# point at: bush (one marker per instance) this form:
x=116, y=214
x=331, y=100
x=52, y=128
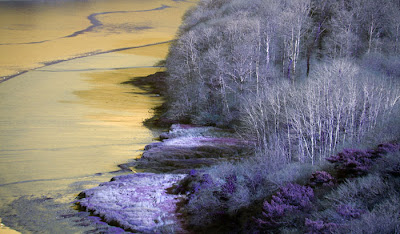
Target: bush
x=383, y=217
x=363, y=192
x=224, y=191
x=290, y=198
x=319, y=226
x=352, y=162
x=322, y=178
x=348, y=212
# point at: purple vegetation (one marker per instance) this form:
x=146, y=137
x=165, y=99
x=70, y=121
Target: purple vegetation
x=207, y=180
x=115, y=230
x=322, y=178
x=222, y=140
x=292, y=197
x=152, y=145
x=358, y=162
x=353, y=161
x=193, y=173
x=137, y=202
x=349, y=212
x=319, y=226
x=197, y=181
x=387, y=148
x=229, y=187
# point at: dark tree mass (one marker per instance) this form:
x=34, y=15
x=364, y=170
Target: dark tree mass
x=303, y=80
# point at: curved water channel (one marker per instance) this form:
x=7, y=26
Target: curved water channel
x=66, y=121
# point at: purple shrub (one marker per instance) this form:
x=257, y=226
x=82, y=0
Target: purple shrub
x=206, y=181
x=319, y=226
x=387, y=148
x=292, y=197
x=229, y=187
x=349, y=212
x=296, y=195
x=193, y=173
x=322, y=178
x=352, y=161
x=358, y=162
x=274, y=211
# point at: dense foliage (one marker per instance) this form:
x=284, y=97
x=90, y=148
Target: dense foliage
x=300, y=77
x=303, y=79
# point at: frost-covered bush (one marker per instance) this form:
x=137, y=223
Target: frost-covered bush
x=220, y=191
x=382, y=217
x=363, y=191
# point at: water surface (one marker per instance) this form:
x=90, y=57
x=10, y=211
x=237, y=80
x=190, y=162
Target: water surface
x=65, y=127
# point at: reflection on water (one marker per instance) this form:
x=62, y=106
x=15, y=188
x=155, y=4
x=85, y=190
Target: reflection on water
x=65, y=127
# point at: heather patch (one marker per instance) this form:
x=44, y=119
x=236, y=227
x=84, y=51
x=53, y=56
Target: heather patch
x=290, y=198
x=352, y=161
x=356, y=162
x=319, y=226
x=322, y=178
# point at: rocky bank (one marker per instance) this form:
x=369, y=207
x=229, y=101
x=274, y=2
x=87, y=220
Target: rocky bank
x=140, y=202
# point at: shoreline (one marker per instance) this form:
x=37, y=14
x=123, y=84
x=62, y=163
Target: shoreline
x=146, y=201
x=163, y=165
x=116, y=78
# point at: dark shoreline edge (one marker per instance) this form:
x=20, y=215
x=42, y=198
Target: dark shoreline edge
x=154, y=84
x=49, y=63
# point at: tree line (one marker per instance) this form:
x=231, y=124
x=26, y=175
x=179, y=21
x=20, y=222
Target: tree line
x=302, y=78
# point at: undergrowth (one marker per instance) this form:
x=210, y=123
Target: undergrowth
x=357, y=192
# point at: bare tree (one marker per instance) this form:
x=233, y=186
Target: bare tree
x=293, y=24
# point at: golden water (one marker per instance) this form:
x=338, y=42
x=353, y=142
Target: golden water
x=65, y=127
